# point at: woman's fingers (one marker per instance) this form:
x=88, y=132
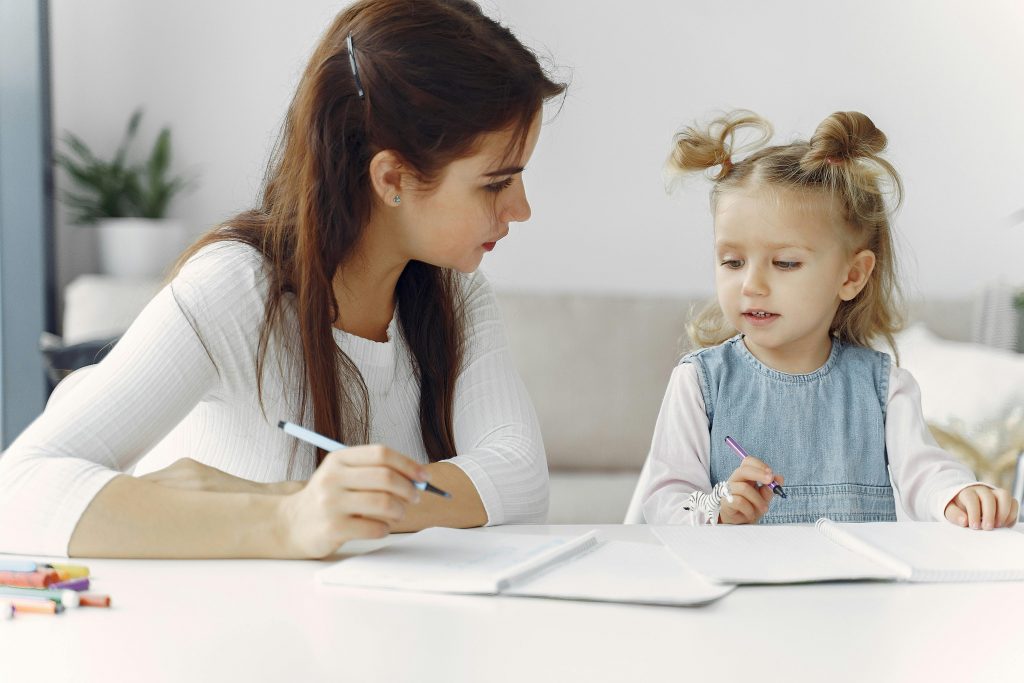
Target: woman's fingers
x=379, y=479
x=369, y=456
x=372, y=505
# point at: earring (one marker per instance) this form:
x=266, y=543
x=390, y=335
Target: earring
x=397, y=200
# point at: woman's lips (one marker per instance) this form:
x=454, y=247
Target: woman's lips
x=489, y=245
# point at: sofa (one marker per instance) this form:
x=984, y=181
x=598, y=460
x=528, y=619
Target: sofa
x=596, y=366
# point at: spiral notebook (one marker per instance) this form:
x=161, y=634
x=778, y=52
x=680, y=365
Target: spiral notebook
x=832, y=551
x=581, y=567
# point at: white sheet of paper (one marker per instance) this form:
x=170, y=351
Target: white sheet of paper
x=623, y=571
x=766, y=554
x=441, y=560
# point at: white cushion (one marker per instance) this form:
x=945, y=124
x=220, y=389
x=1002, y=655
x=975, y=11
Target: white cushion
x=974, y=390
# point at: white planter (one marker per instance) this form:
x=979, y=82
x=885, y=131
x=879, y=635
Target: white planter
x=139, y=247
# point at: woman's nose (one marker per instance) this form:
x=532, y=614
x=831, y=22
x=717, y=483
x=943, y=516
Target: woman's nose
x=517, y=208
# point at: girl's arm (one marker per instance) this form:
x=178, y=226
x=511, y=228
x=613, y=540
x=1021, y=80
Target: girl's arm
x=926, y=477
x=500, y=475
x=678, y=463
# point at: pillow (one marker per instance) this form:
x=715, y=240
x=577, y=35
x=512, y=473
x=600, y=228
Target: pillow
x=969, y=391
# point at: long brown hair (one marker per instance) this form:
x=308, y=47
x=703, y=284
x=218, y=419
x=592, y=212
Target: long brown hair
x=435, y=76
x=842, y=160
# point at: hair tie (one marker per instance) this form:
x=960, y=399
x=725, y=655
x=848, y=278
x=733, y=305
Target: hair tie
x=835, y=161
x=352, y=63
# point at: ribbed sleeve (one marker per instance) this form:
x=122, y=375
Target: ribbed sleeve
x=181, y=382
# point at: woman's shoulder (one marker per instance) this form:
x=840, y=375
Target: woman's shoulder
x=225, y=278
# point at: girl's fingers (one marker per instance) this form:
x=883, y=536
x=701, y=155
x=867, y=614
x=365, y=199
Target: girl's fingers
x=968, y=500
x=740, y=510
x=752, y=496
x=955, y=513
x=1007, y=509
x=988, y=506
x=752, y=469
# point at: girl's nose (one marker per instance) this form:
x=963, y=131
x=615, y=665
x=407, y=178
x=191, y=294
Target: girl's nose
x=754, y=283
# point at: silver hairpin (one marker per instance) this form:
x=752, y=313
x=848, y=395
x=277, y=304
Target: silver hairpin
x=352, y=63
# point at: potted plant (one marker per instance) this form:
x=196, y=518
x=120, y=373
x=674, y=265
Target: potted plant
x=126, y=202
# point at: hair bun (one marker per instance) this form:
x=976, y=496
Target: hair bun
x=845, y=135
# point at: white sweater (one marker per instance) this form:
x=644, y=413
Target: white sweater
x=181, y=382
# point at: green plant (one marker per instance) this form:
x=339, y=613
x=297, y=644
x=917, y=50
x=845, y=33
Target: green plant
x=1018, y=301
x=116, y=188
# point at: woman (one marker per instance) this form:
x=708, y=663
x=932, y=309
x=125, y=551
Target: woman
x=339, y=303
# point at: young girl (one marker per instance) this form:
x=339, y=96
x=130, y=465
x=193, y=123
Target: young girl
x=338, y=303
x=806, y=280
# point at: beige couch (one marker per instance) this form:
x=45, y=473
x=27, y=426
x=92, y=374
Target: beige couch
x=596, y=367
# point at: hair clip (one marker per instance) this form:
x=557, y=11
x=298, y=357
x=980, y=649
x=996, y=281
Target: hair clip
x=352, y=63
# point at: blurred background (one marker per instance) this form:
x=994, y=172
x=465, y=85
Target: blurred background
x=940, y=78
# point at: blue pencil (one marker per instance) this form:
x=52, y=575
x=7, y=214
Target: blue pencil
x=321, y=441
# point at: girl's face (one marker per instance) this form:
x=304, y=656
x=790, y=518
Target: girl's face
x=454, y=224
x=782, y=269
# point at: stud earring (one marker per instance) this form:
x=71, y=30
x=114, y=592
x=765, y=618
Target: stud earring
x=397, y=200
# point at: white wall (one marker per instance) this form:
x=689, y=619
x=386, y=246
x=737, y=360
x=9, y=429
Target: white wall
x=940, y=78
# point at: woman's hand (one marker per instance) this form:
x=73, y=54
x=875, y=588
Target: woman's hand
x=357, y=492
x=190, y=474
x=751, y=494
x=981, y=507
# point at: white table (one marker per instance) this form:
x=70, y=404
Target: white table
x=249, y=620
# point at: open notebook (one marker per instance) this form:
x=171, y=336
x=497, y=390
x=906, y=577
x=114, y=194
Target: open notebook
x=830, y=551
x=582, y=567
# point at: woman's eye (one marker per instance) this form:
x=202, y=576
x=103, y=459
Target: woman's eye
x=499, y=186
x=787, y=265
x=733, y=263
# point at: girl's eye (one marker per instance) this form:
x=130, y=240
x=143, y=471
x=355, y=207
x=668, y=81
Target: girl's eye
x=499, y=186
x=787, y=265
x=733, y=263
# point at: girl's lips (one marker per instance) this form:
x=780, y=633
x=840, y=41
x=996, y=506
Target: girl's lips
x=760, y=320
x=489, y=245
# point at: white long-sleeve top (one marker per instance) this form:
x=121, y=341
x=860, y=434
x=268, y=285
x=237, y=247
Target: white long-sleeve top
x=925, y=477
x=181, y=382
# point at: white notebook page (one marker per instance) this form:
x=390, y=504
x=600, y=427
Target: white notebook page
x=940, y=551
x=443, y=560
x=622, y=571
x=766, y=554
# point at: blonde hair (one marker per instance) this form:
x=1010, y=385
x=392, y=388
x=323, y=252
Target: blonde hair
x=841, y=162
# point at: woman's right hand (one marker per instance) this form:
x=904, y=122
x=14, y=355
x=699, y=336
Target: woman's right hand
x=751, y=494
x=357, y=492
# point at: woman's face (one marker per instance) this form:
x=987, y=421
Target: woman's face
x=470, y=209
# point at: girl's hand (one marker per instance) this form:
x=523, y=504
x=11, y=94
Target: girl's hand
x=357, y=492
x=983, y=508
x=190, y=474
x=750, y=492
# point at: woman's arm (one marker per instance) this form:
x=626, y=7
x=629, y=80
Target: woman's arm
x=500, y=474
x=678, y=463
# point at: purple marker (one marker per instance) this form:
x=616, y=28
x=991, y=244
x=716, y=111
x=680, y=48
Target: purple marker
x=776, y=489
x=71, y=585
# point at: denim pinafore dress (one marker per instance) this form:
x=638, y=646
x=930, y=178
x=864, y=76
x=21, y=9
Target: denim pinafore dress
x=823, y=431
